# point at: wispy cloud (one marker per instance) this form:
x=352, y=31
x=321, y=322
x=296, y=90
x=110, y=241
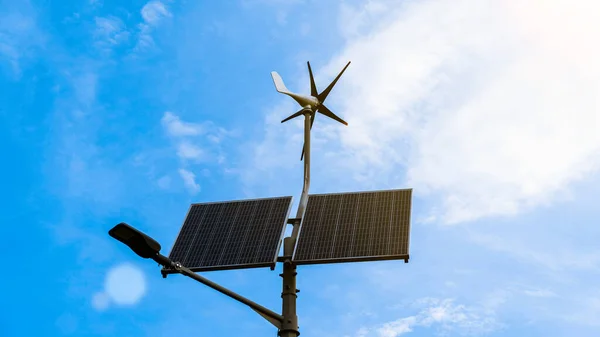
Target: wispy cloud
x=195, y=143
x=442, y=314
x=482, y=118
x=153, y=13
x=189, y=151
x=110, y=31
x=189, y=180
x=186, y=137
x=20, y=36
x=175, y=127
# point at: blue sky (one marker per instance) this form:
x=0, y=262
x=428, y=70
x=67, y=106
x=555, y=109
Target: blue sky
x=489, y=110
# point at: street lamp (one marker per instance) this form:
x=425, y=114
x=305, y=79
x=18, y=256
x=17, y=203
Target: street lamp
x=148, y=248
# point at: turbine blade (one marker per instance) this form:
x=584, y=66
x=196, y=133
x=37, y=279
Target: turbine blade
x=299, y=113
x=279, y=85
x=313, y=86
x=325, y=111
x=322, y=96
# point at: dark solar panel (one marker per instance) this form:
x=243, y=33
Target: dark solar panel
x=348, y=227
x=231, y=235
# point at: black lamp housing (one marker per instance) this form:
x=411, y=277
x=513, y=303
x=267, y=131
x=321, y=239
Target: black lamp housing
x=140, y=243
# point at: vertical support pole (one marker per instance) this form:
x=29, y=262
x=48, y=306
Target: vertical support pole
x=289, y=326
x=306, y=186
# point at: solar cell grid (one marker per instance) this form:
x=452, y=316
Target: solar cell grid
x=326, y=233
x=230, y=235
x=346, y=225
x=360, y=226
x=240, y=228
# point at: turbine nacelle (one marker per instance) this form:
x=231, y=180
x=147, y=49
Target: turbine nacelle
x=314, y=102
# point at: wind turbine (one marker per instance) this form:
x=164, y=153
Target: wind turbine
x=311, y=104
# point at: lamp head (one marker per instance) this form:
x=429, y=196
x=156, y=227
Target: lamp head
x=140, y=243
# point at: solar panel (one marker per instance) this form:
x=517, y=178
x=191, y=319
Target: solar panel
x=231, y=235
x=351, y=227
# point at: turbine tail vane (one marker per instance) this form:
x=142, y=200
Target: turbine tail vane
x=279, y=85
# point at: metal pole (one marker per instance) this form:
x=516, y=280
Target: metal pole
x=306, y=186
x=289, y=326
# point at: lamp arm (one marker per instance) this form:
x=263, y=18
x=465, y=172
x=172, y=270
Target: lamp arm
x=271, y=316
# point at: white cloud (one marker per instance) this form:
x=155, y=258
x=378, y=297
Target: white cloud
x=125, y=285
x=110, y=31
x=356, y=21
x=189, y=180
x=444, y=314
x=397, y=328
x=491, y=107
x=175, y=127
x=497, y=115
x=154, y=11
x=195, y=143
x=187, y=150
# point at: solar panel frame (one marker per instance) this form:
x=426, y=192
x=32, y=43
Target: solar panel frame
x=195, y=232
x=404, y=209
